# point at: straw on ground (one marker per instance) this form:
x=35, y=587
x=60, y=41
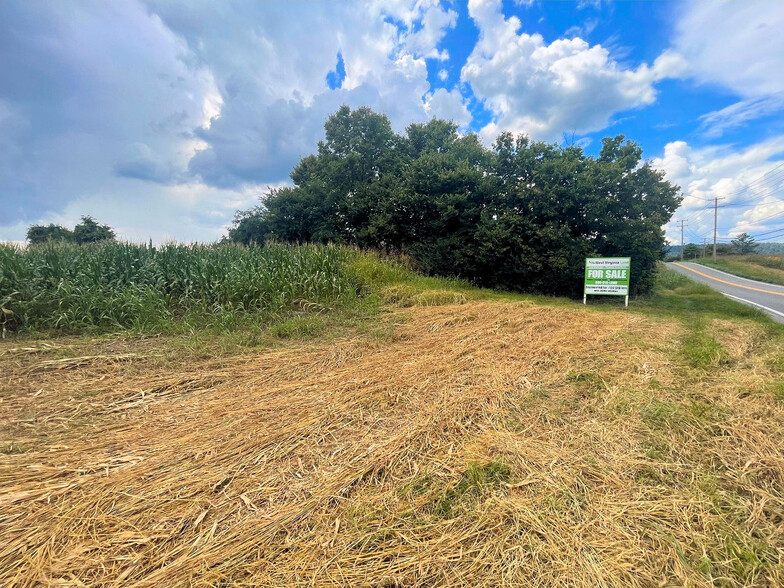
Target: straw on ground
x=489, y=443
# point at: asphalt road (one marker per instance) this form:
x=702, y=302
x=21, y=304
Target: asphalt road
x=769, y=298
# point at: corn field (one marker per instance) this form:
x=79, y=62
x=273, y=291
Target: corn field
x=129, y=286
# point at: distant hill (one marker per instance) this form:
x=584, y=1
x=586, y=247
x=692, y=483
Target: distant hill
x=770, y=248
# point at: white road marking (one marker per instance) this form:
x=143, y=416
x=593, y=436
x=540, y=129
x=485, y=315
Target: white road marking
x=776, y=312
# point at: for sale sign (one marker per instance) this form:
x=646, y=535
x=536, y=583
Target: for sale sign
x=608, y=276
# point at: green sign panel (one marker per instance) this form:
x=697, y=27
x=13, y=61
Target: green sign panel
x=607, y=276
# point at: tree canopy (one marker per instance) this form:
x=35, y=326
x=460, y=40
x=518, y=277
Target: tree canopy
x=692, y=251
x=744, y=244
x=42, y=233
x=522, y=215
x=87, y=231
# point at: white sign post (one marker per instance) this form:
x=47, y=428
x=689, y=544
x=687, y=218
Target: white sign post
x=607, y=276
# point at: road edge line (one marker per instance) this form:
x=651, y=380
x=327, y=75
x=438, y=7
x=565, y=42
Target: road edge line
x=762, y=306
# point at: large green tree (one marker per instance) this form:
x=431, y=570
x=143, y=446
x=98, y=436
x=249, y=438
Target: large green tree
x=744, y=244
x=522, y=215
x=692, y=251
x=37, y=234
x=90, y=231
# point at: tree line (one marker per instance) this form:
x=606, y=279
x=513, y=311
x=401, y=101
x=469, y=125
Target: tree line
x=522, y=215
x=743, y=244
x=87, y=231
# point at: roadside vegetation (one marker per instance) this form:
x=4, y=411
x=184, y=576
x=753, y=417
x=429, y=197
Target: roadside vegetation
x=521, y=216
x=689, y=302
x=455, y=437
x=743, y=244
x=765, y=268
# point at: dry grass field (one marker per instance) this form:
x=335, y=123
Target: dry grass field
x=491, y=443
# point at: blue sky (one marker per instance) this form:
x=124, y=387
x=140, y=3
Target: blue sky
x=163, y=119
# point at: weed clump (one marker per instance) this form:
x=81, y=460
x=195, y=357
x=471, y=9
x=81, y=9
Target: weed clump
x=703, y=350
x=477, y=478
x=660, y=415
x=439, y=298
x=407, y=295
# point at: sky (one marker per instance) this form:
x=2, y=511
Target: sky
x=162, y=119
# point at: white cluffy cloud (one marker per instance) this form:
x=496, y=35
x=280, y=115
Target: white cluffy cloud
x=738, y=46
x=449, y=105
x=546, y=90
x=162, y=119
x=739, y=114
x=750, y=182
x=433, y=21
x=271, y=76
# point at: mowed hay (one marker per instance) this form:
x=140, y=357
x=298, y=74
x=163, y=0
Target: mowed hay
x=488, y=444
x=404, y=295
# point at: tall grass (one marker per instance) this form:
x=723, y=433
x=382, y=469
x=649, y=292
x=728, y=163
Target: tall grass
x=128, y=286
x=772, y=261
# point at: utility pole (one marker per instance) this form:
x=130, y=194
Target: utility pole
x=704, y=245
x=715, y=223
x=681, y=239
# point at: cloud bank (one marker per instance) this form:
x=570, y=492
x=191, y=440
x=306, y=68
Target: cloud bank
x=164, y=118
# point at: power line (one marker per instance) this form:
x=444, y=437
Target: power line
x=695, y=219
x=769, y=179
x=759, y=220
x=763, y=179
x=682, y=222
x=766, y=232
x=755, y=201
x=772, y=236
x=775, y=175
x=715, y=223
x=772, y=182
x=693, y=232
x=698, y=217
